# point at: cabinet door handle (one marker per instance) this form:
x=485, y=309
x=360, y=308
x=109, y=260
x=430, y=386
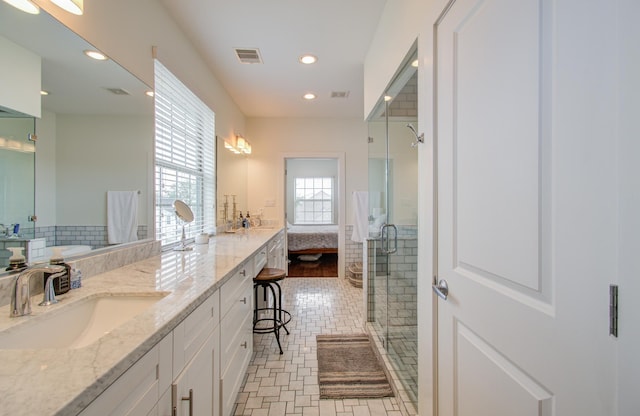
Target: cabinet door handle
x=244, y=345
x=190, y=399
x=244, y=300
x=243, y=272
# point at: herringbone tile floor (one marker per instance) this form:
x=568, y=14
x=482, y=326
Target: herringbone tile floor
x=287, y=384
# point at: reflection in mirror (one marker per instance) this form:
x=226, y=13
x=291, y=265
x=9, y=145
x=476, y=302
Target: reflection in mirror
x=17, y=177
x=95, y=134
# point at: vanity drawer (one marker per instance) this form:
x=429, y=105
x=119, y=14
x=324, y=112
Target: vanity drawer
x=191, y=333
x=233, y=290
x=237, y=328
x=260, y=259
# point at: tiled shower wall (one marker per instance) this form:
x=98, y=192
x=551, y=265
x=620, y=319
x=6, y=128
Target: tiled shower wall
x=400, y=302
x=84, y=235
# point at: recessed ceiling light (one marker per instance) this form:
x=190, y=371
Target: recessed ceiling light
x=388, y=98
x=95, y=55
x=150, y=93
x=309, y=96
x=43, y=92
x=26, y=6
x=308, y=59
x=414, y=63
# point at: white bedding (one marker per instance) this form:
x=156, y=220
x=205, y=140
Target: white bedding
x=307, y=237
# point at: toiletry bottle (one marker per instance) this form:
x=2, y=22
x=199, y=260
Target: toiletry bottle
x=61, y=284
x=76, y=278
x=248, y=220
x=17, y=260
x=241, y=224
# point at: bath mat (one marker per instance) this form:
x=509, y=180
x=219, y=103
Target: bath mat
x=348, y=368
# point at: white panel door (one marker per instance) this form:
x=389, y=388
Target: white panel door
x=524, y=235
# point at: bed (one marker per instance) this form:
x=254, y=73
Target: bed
x=311, y=239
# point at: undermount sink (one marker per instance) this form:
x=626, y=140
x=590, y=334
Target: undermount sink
x=78, y=324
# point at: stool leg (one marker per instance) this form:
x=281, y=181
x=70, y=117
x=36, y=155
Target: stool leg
x=280, y=307
x=276, y=322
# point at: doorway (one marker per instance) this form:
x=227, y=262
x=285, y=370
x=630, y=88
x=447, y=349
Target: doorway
x=313, y=215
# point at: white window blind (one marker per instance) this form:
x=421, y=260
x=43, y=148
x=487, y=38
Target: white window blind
x=184, y=158
x=313, y=200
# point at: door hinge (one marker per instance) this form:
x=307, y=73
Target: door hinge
x=613, y=310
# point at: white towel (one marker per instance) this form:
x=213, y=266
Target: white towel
x=122, y=216
x=360, y=216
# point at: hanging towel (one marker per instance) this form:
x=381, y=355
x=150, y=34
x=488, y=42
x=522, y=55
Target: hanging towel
x=122, y=216
x=360, y=216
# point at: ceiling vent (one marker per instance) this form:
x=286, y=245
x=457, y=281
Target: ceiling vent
x=117, y=91
x=339, y=94
x=248, y=56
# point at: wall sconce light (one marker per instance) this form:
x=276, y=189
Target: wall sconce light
x=72, y=6
x=238, y=145
x=26, y=6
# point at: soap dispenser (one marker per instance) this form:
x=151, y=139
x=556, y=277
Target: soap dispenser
x=16, y=261
x=61, y=284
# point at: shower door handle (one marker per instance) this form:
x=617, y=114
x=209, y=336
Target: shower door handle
x=441, y=288
x=385, y=241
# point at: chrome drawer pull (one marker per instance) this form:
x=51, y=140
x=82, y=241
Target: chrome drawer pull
x=244, y=345
x=190, y=399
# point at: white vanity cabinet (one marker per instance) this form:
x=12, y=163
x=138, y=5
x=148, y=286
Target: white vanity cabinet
x=276, y=257
x=236, y=327
x=196, y=369
x=138, y=390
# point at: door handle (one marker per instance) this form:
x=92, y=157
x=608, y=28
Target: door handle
x=441, y=289
x=385, y=241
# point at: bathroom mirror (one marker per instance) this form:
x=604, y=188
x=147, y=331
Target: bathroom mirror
x=95, y=134
x=183, y=211
x=186, y=215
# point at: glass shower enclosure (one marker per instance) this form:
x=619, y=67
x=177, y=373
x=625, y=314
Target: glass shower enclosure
x=392, y=247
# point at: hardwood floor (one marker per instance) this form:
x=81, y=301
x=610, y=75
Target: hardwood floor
x=325, y=266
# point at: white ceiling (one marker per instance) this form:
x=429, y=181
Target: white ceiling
x=338, y=32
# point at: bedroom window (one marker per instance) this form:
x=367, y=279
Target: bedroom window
x=313, y=200
x=184, y=158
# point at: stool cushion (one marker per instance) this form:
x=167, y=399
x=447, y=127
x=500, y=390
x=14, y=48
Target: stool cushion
x=269, y=274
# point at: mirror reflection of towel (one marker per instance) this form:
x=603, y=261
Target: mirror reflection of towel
x=122, y=216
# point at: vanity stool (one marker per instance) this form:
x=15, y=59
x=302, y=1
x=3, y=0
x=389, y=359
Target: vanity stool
x=268, y=280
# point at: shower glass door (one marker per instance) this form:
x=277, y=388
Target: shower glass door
x=393, y=213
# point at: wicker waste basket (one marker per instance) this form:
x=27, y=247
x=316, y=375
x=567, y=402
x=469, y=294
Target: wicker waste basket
x=355, y=274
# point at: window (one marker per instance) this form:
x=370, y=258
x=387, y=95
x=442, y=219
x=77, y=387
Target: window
x=184, y=158
x=313, y=201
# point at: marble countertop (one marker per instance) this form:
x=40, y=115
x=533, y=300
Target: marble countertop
x=64, y=381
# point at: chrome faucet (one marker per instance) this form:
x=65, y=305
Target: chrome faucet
x=21, y=294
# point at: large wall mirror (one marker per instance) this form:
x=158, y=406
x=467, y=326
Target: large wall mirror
x=94, y=135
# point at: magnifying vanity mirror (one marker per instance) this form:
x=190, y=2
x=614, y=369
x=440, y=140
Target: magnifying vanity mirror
x=94, y=134
x=186, y=215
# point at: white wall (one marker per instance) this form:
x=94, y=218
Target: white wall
x=272, y=139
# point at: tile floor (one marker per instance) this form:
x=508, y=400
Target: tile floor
x=287, y=384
